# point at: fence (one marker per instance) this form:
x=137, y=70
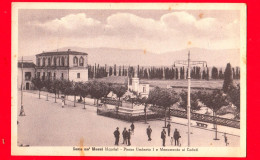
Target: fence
x=207, y=118
x=111, y=101
x=126, y=116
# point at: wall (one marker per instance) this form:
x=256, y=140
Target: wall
x=83, y=75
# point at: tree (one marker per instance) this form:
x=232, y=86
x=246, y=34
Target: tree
x=163, y=98
x=228, y=79
x=214, y=100
x=56, y=85
x=214, y=73
x=75, y=90
x=119, y=90
x=99, y=90
x=66, y=88
x=48, y=84
x=38, y=83
x=194, y=99
x=84, y=90
x=143, y=101
x=234, y=96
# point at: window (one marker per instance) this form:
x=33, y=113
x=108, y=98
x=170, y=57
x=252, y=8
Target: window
x=43, y=62
x=38, y=74
x=58, y=61
x=62, y=76
x=49, y=61
x=81, y=61
x=43, y=76
x=54, y=75
x=38, y=61
x=75, y=61
x=78, y=75
x=62, y=61
x=144, y=89
x=49, y=75
x=28, y=76
x=54, y=61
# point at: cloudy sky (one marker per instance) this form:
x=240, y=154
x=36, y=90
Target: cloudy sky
x=156, y=31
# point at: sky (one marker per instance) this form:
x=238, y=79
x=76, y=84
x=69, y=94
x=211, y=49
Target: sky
x=156, y=31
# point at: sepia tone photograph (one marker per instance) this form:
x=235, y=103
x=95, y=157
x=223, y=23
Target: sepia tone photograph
x=129, y=79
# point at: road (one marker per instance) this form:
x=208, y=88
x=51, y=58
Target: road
x=48, y=124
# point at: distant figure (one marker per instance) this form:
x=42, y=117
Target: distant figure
x=176, y=136
x=163, y=136
x=117, y=135
x=169, y=128
x=124, y=134
x=225, y=138
x=132, y=127
x=62, y=102
x=149, y=132
x=129, y=137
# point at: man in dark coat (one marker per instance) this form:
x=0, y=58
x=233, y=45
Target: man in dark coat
x=169, y=128
x=149, y=132
x=129, y=137
x=117, y=135
x=132, y=127
x=124, y=134
x=163, y=136
x=176, y=136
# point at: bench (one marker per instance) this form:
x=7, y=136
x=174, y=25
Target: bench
x=199, y=124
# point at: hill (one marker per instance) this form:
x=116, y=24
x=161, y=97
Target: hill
x=111, y=56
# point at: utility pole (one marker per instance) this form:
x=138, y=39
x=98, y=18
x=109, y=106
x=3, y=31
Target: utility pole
x=22, y=113
x=189, y=63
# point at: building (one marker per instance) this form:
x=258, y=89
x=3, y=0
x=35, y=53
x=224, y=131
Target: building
x=28, y=69
x=135, y=85
x=69, y=65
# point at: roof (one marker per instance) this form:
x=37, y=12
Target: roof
x=26, y=65
x=69, y=52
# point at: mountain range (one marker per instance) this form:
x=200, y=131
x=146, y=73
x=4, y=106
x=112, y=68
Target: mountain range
x=111, y=56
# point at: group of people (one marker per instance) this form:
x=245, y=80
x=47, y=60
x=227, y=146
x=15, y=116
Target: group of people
x=176, y=137
x=127, y=135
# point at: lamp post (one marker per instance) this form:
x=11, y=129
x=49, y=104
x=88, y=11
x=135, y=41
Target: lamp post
x=22, y=113
x=189, y=63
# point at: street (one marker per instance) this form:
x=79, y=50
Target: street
x=48, y=124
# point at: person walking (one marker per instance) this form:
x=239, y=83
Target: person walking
x=117, y=135
x=132, y=127
x=124, y=134
x=176, y=136
x=62, y=101
x=149, y=132
x=169, y=128
x=163, y=136
x=129, y=137
x=226, y=140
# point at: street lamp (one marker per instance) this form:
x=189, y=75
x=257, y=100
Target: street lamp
x=22, y=113
x=189, y=63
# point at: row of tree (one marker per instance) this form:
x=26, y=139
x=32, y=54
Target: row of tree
x=97, y=71
x=93, y=89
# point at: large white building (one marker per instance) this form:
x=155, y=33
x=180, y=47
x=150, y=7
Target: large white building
x=69, y=65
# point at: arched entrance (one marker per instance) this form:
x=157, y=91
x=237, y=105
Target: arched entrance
x=27, y=86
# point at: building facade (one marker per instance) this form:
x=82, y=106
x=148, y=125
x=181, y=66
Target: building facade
x=26, y=71
x=67, y=65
